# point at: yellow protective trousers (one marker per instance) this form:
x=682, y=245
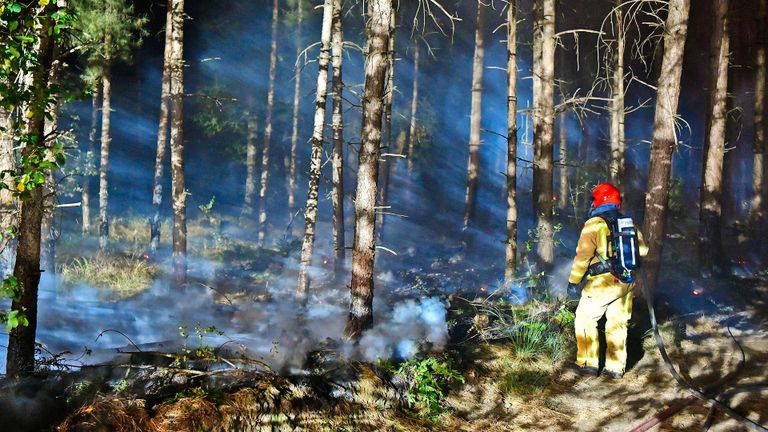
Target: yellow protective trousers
x=617, y=310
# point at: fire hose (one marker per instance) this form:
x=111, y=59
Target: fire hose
x=696, y=394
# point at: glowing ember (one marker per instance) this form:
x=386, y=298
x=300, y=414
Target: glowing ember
x=697, y=292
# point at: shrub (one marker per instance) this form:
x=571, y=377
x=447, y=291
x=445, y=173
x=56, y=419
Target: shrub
x=425, y=379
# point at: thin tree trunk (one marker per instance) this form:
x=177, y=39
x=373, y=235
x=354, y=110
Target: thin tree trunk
x=48, y=228
x=712, y=187
x=414, y=106
x=562, y=198
x=90, y=163
x=21, y=340
x=337, y=194
x=178, y=181
x=310, y=210
x=617, y=103
x=510, y=267
x=664, y=140
x=473, y=165
x=250, y=164
x=106, y=140
x=757, y=208
x=296, y=97
x=268, y=127
x=387, y=143
x=9, y=206
x=543, y=127
x=364, y=251
x=162, y=132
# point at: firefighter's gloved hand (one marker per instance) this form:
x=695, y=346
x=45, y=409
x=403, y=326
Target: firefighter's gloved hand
x=573, y=291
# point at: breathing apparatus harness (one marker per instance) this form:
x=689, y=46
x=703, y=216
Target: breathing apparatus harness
x=621, y=248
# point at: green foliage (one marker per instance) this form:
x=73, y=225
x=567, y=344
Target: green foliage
x=202, y=350
x=214, y=395
x=426, y=379
x=524, y=381
x=114, y=21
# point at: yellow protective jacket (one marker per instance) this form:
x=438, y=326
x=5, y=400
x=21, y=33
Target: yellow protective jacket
x=593, y=241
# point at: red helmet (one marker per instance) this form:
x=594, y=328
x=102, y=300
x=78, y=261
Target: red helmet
x=605, y=193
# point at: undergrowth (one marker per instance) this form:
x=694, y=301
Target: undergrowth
x=425, y=381
x=121, y=276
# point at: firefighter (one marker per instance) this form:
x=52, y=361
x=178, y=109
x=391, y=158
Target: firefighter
x=602, y=294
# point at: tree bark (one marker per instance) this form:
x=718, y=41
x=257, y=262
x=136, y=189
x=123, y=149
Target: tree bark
x=364, y=250
x=510, y=267
x=412, y=138
x=9, y=205
x=310, y=210
x=268, y=127
x=162, y=132
x=543, y=127
x=757, y=208
x=296, y=97
x=387, y=143
x=617, y=112
x=711, y=191
x=664, y=140
x=337, y=194
x=250, y=164
x=106, y=140
x=178, y=181
x=48, y=226
x=21, y=340
x=473, y=165
x=90, y=163
x=562, y=199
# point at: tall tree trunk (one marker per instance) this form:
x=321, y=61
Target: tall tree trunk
x=90, y=163
x=364, y=251
x=48, y=228
x=712, y=187
x=617, y=102
x=664, y=140
x=337, y=194
x=414, y=107
x=387, y=143
x=543, y=126
x=268, y=127
x=250, y=163
x=757, y=208
x=510, y=267
x=8, y=203
x=162, y=132
x=473, y=165
x=178, y=181
x=562, y=198
x=21, y=340
x=310, y=210
x=296, y=97
x=106, y=140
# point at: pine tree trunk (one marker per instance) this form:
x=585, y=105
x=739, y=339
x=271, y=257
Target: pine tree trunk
x=48, y=228
x=510, y=267
x=364, y=250
x=162, y=133
x=617, y=103
x=296, y=97
x=473, y=165
x=21, y=340
x=90, y=162
x=712, y=187
x=8, y=203
x=178, y=181
x=106, y=140
x=387, y=143
x=337, y=194
x=663, y=142
x=250, y=164
x=757, y=208
x=268, y=128
x=562, y=198
x=310, y=210
x=543, y=127
x=414, y=107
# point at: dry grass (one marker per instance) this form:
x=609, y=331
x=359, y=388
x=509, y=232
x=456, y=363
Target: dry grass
x=116, y=276
x=110, y=414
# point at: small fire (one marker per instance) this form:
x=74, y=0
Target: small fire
x=482, y=289
x=146, y=256
x=697, y=292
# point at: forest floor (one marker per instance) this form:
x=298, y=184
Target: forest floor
x=511, y=362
